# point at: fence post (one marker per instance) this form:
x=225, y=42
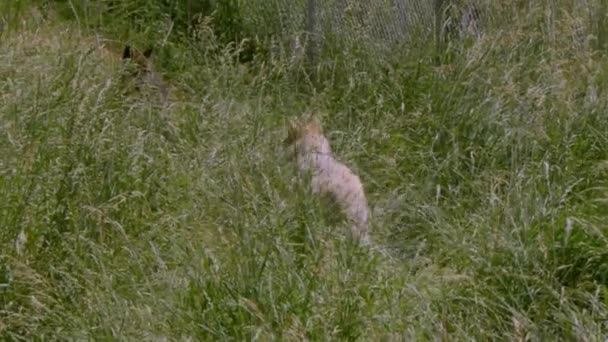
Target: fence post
x=601, y=26
x=311, y=44
x=438, y=9
x=339, y=15
x=402, y=20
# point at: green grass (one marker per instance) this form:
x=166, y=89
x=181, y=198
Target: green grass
x=123, y=218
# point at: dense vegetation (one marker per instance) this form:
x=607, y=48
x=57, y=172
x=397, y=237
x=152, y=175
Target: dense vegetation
x=125, y=218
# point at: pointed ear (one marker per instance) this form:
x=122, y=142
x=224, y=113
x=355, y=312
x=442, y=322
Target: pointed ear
x=316, y=122
x=127, y=52
x=148, y=52
x=292, y=133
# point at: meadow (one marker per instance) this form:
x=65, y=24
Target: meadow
x=126, y=218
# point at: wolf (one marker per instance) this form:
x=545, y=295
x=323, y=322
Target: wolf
x=329, y=176
x=143, y=72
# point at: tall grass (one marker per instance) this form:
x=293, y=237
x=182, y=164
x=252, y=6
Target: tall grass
x=125, y=218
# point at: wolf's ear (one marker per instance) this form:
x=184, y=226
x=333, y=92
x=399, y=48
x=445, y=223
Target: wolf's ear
x=127, y=53
x=315, y=122
x=148, y=52
x=292, y=133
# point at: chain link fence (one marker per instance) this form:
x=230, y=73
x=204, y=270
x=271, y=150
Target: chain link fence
x=380, y=25
x=381, y=21
x=377, y=25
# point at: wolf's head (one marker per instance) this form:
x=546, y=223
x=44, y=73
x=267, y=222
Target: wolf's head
x=142, y=70
x=307, y=135
x=307, y=126
x=141, y=60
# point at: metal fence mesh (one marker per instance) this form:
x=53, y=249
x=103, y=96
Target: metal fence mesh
x=380, y=24
x=377, y=24
x=383, y=21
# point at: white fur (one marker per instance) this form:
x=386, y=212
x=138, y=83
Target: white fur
x=329, y=176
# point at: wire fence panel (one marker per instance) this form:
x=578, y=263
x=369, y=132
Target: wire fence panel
x=379, y=25
x=383, y=21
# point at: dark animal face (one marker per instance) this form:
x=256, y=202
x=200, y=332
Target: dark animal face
x=141, y=60
x=141, y=70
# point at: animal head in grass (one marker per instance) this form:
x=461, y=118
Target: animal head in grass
x=142, y=63
x=306, y=134
x=141, y=70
